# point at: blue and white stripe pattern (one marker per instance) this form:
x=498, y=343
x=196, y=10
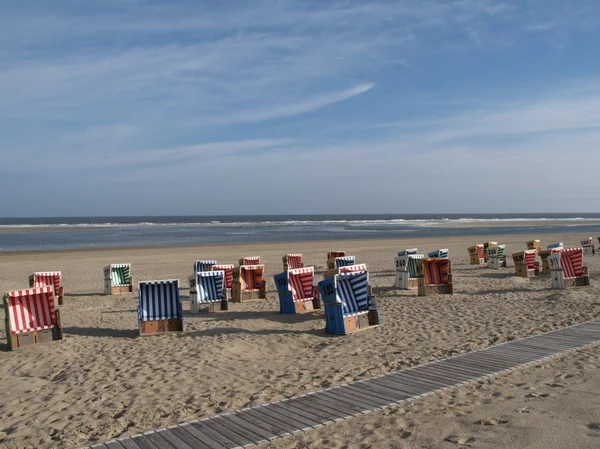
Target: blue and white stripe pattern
x=204, y=265
x=408, y=252
x=353, y=291
x=209, y=286
x=438, y=254
x=159, y=300
x=555, y=245
x=344, y=261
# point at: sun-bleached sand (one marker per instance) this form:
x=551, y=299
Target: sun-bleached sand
x=104, y=382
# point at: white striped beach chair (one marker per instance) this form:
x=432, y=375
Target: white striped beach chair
x=349, y=304
x=496, y=257
x=587, y=245
x=203, y=265
x=159, y=309
x=533, y=244
x=525, y=264
x=207, y=292
x=406, y=270
x=248, y=283
x=487, y=245
x=117, y=279
x=228, y=281
x=292, y=261
x=476, y=254
x=408, y=252
x=438, y=254
x=297, y=292
x=50, y=278
x=435, y=277
x=567, y=269
x=544, y=253
x=250, y=260
x=31, y=317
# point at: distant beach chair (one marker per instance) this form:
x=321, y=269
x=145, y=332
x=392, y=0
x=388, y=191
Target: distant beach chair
x=544, y=253
x=31, y=317
x=206, y=291
x=525, y=264
x=588, y=246
x=406, y=270
x=248, y=283
x=292, y=261
x=297, y=292
x=408, y=252
x=349, y=304
x=159, y=309
x=533, y=244
x=334, y=266
x=228, y=281
x=438, y=254
x=203, y=265
x=434, y=277
x=567, y=269
x=51, y=278
x=476, y=254
x=117, y=279
x=487, y=245
x=250, y=260
x=496, y=257
x=334, y=254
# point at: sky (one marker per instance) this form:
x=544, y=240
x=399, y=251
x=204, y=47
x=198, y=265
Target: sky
x=158, y=107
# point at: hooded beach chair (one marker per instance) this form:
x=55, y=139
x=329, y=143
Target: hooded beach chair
x=207, y=292
x=496, y=257
x=406, y=270
x=567, y=269
x=544, y=253
x=297, y=292
x=434, y=277
x=525, y=264
x=203, y=265
x=250, y=260
x=349, y=305
x=31, y=317
x=408, y=252
x=159, y=309
x=476, y=254
x=228, y=281
x=292, y=261
x=117, y=279
x=587, y=246
x=487, y=245
x=248, y=283
x=438, y=254
x=533, y=244
x=334, y=265
x=48, y=278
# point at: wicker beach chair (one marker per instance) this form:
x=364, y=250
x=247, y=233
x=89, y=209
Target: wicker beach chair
x=342, y=264
x=159, y=309
x=250, y=260
x=228, y=281
x=408, y=252
x=567, y=269
x=207, y=292
x=587, y=246
x=248, y=283
x=49, y=278
x=292, y=261
x=434, y=277
x=349, y=305
x=533, y=244
x=496, y=257
x=31, y=317
x=525, y=264
x=544, y=253
x=406, y=270
x=438, y=254
x=487, y=245
x=203, y=265
x=476, y=254
x=117, y=279
x=297, y=292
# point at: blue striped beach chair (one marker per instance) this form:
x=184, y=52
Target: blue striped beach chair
x=438, y=254
x=297, y=292
x=408, y=252
x=207, y=291
x=248, y=283
x=159, y=309
x=334, y=265
x=117, y=279
x=349, y=305
x=406, y=269
x=204, y=265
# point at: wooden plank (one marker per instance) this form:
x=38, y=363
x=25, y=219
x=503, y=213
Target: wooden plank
x=491, y=361
x=240, y=430
x=472, y=361
x=143, y=442
x=353, y=389
x=471, y=371
x=308, y=403
x=266, y=422
x=339, y=409
x=384, y=397
x=173, y=439
x=530, y=352
x=350, y=403
x=304, y=409
x=428, y=373
x=408, y=389
x=128, y=443
x=453, y=372
x=414, y=379
x=113, y=445
x=243, y=421
x=282, y=409
x=367, y=402
x=293, y=425
x=517, y=355
x=390, y=393
x=155, y=439
x=221, y=431
x=190, y=439
x=207, y=436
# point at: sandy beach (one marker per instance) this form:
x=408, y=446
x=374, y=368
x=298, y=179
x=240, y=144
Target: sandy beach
x=103, y=382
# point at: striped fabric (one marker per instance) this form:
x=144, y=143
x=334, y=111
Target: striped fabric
x=204, y=265
x=300, y=282
x=352, y=268
x=436, y=271
x=587, y=242
x=228, y=269
x=251, y=276
x=120, y=274
x=334, y=254
x=31, y=310
x=159, y=300
x=408, y=252
x=571, y=261
x=438, y=254
x=42, y=279
x=252, y=260
x=529, y=260
x=294, y=261
x=352, y=290
x=209, y=286
x=344, y=261
x=555, y=245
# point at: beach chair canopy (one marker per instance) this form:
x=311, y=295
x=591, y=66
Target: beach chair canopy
x=529, y=258
x=477, y=249
x=587, y=242
x=300, y=283
x=44, y=278
x=204, y=265
x=352, y=291
x=344, y=261
x=436, y=271
x=496, y=251
x=159, y=300
x=409, y=263
x=294, y=261
x=228, y=270
x=251, y=260
x=31, y=310
x=555, y=245
x=407, y=252
x=334, y=254
x=209, y=286
x=251, y=276
x=120, y=274
x=571, y=262
x=353, y=268
x=438, y=254
x=533, y=244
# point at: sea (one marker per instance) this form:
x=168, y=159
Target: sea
x=35, y=234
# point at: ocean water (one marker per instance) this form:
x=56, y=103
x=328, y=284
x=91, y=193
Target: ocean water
x=110, y=232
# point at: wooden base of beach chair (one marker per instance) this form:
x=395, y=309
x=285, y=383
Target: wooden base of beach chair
x=430, y=290
x=524, y=272
x=338, y=324
x=588, y=250
x=160, y=327
x=404, y=282
x=208, y=307
x=121, y=289
x=19, y=341
x=476, y=260
x=239, y=295
x=227, y=293
x=559, y=282
x=307, y=306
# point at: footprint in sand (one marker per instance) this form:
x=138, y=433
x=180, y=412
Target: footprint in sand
x=463, y=441
x=492, y=421
x=594, y=426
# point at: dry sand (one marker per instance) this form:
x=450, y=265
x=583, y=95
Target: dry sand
x=103, y=382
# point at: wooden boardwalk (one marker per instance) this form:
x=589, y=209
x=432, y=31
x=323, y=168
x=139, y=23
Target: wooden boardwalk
x=250, y=426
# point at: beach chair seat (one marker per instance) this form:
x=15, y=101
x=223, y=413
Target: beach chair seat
x=292, y=261
x=496, y=257
x=228, y=281
x=203, y=265
x=533, y=244
x=159, y=309
x=406, y=270
x=544, y=253
x=250, y=260
x=297, y=292
x=117, y=279
x=476, y=254
x=248, y=283
x=525, y=264
x=206, y=292
x=49, y=278
x=487, y=245
x=349, y=304
x=434, y=277
x=31, y=317
x=587, y=245
x=567, y=269
x=438, y=254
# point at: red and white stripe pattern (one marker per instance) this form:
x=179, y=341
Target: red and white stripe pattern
x=529, y=258
x=294, y=261
x=252, y=260
x=228, y=269
x=42, y=279
x=352, y=268
x=31, y=310
x=300, y=282
x=571, y=261
x=334, y=254
x=480, y=251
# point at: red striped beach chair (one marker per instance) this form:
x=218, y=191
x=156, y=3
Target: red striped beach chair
x=228, y=282
x=250, y=260
x=297, y=292
x=525, y=264
x=567, y=269
x=476, y=254
x=435, y=277
x=533, y=244
x=51, y=278
x=292, y=261
x=31, y=317
x=248, y=283
x=117, y=279
x=588, y=246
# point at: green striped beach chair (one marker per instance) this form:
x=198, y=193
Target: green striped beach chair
x=117, y=279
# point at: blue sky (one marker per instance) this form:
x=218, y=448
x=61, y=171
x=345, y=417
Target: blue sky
x=134, y=107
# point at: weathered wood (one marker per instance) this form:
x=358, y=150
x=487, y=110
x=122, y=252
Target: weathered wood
x=391, y=394
x=273, y=425
x=189, y=439
x=326, y=404
x=248, y=423
x=143, y=442
x=363, y=399
x=207, y=436
x=383, y=398
x=113, y=445
x=173, y=439
x=128, y=443
x=280, y=408
x=350, y=403
x=159, y=442
x=222, y=433
x=293, y=425
x=240, y=430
